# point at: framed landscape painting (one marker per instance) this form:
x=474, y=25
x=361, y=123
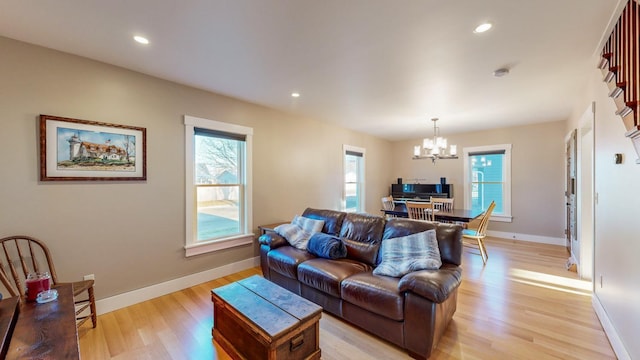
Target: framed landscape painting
x=72, y=149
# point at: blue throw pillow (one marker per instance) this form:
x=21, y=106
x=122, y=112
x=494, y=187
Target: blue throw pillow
x=326, y=246
x=409, y=253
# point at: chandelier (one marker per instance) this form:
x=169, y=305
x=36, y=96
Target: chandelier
x=435, y=148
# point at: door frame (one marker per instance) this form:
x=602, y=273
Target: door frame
x=585, y=171
x=570, y=188
x=582, y=242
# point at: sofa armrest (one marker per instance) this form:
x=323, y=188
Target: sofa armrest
x=435, y=285
x=272, y=240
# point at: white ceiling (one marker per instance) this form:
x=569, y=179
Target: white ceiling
x=383, y=67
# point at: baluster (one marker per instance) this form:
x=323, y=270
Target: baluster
x=630, y=17
x=613, y=58
x=607, y=46
x=614, y=47
x=628, y=55
x=618, y=49
x=623, y=52
x=630, y=49
x=617, y=45
x=636, y=69
x=626, y=66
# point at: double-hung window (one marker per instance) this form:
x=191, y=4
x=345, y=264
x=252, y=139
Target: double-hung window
x=218, y=185
x=487, y=177
x=353, y=192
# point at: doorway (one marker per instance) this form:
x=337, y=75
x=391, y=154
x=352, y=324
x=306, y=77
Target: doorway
x=579, y=193
x=572, y=244
x=585, y=193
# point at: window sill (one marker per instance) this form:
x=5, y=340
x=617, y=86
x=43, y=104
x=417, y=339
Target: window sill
x=220, y=244
x=502, y=218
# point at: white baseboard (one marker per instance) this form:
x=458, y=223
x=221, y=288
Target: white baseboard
x=610, y=330
x=133, y=297
x=527, y=237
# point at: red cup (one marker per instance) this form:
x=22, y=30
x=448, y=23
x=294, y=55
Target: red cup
x=37, y=283
x=46, y=281
x=34, y=287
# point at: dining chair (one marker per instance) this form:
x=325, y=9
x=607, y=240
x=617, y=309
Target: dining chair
x=474, y=237
x=420, y=210
x=442, y=204
x=387, y=203
x=22, y=255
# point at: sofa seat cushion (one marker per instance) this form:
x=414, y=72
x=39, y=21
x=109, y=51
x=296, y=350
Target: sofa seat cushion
x=327, y=274
x=378, y=294
x=285, y=260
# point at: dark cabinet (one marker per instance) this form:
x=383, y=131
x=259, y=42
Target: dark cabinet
x=421, y=191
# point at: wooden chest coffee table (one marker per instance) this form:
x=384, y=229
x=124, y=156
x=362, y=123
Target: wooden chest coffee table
x=257, y=319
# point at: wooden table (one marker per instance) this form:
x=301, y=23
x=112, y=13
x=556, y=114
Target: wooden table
x=256, y=319
x=9, y=311
x=46, y=331
x=461, y=215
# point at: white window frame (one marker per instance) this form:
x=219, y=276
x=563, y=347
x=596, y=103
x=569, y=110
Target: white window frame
x=361, y=176
x=506, y=175
x=192, y=245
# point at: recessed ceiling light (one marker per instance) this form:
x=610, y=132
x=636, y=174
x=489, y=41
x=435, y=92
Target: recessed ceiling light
x=482, y=28
x=501, y=72
x=141, y=39
x=295, y=94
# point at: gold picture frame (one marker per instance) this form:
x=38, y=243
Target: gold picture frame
x=82, y=150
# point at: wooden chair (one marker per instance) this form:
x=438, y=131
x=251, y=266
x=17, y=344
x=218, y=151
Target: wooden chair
x=387, y=203
x=420, y=211
x=475, y=235
x=442, y=204
x=22, y=255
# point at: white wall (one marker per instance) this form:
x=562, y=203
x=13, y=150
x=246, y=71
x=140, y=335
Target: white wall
x=537, y=174
x=131, y=234
x=617, y=209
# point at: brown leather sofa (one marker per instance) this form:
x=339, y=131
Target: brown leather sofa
x=412, y=311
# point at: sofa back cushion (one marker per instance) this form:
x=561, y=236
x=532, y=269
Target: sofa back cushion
x=332, y=219
x=449, y=236
x=362, y=235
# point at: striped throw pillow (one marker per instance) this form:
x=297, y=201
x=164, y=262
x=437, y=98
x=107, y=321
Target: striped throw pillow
x=409, y=253
x=299, y=231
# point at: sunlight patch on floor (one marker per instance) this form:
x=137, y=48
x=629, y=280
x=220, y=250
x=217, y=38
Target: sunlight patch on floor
x=553, y=282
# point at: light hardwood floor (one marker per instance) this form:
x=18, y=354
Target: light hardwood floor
x=522, y=305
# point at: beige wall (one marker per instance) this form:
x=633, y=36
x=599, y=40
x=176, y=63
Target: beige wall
x=616, y=214
x=131, y=234
x=537, y=158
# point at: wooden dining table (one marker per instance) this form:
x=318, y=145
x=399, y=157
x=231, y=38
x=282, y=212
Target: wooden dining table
x=455, y=215
x=46, y=331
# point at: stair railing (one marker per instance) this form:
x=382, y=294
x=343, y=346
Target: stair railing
x=620, y=65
